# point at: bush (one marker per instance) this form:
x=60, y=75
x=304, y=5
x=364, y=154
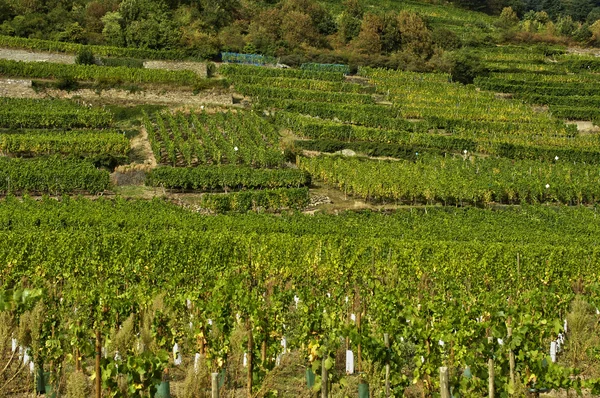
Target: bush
x=446, y=39
x=78, y=386
x=85, y=56
x=465, y=67
x=127, y=62
x=67, y=83
x=211, y=69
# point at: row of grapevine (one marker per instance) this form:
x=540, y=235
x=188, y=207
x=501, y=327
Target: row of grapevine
x=265, y=91
x=391, y=118
x=46, y=70
x=268, y=199
x=220, y=138
x=567, y=98
x=456, y=180
x=74, y=48
x=54, y=113
x=324, y=287
x=253, y=59
x=525, y=226
x=211, y=178
x=581, y=148
x=50, y=175
x=232, y=70
x=526, y=87
x=304, y=84
x=75, y=142
x=345, y=69
x=450, y=106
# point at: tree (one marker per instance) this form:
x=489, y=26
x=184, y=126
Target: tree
x=350, y=20
x=6, y=11
x=112, y=31
x=369, y=40
x=148, y=24
x=593, y=16
x=578, y=9
x=297, y=28
x=508, y=18
x=416, y=38
x=553, y=8
x=565, y=26
x=465, y=67
x=583, y=34
x=320, y=17
x=446, y=39
x=595, y=30
x=220, y=13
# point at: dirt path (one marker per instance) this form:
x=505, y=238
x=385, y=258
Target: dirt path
x=30, y=56
x=142, y=150
x=585, y=127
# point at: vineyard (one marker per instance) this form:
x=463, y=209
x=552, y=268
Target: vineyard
x=460, y=180
x=222, y=138
x=34, y=113
x=382, y=234
x=44, y=70
x=288, y=278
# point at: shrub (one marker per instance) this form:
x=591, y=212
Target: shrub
x=211, y=69
x=85, y=56
x=465, y=67
x=78, y=386
x=446, y=39
x=67, y=83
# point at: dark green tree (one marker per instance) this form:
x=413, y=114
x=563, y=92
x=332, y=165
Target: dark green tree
x=6, y=11
x=466, y=66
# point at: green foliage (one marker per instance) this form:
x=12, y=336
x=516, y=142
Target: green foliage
x=211, y=69
x=260, y=91
x=41, y=113
x=67, y=84
x=79, y=143
x=45, y=70
x=103, y=51
x=446, y=39
x=222, y=138
x=85, y=56
x=232, y=70
x=210, y=178
x=51, y=175
x=142, y=374
x=459, y=179
x=127, y=62
x=78, y=386
x=466, y=67
x=244, y=201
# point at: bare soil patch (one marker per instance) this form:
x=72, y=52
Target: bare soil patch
x=585, y=126
x=142, y=150
x=30, y=56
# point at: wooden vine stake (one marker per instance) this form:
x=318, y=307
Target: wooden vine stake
x=324, y=379
x=386, y=339
x=250, y=359
x=444, y=389
x=511, y=361
x=215, y=385
x=491, y=373
x=98, y=370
